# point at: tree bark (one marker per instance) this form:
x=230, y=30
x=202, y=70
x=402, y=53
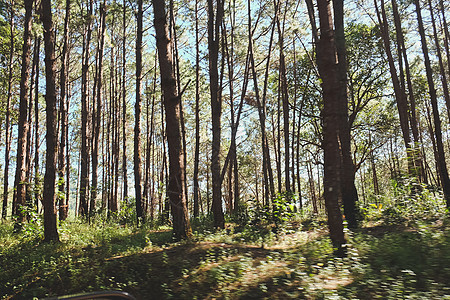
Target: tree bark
x=181, y=225
x=215, y=15
x=347, y=177
x=50, y=227
x=327, y=64
x=20, y=178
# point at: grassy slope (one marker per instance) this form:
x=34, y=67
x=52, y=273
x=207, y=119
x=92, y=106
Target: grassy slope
x=383, y=262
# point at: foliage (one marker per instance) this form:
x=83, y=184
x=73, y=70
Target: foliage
x=408, y=202
x=389, y=262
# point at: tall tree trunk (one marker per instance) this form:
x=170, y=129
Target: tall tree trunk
x=8, y=114
x=63, y=107
x=215, y=15
x=181, y=225
x=412, y=102
x=400, y=96
x=441, y=62
x=124, y=105
x=327, y=64
x=96, y=116
x=20, y=178
x=137, y=115
x=37, y=183
x=347, y=172
x=446, y=32
x=50, y=227
x=285, y=101
x=442, y=166
x=197, y=115
x=85, y=132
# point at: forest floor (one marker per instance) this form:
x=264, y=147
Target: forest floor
x=386, y=261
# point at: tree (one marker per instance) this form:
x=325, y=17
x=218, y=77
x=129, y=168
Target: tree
x=63, y=104
x=347, y=171
x=327, y=64
x=8, y=114
x=137, y=116
x=215, y=16
x=181, y=225
x=50, y=227
x=20, y=178
x=85, y=132
x=439, y=153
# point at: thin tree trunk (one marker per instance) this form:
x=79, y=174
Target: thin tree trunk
x=137, y=126
x=96, y=116
x=400, y=95
x=197, y=115
x=124, y=105
x=63, y=107
x=412, y=102
x=85, y=133
x=285, y=101
x=50, y=227
x=8, y=114
x=441, y=62
x=442, y=166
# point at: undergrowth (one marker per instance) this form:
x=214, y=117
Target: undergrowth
x=258, y=255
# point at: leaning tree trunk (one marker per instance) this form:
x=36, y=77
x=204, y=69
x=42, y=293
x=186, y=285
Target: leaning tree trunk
x=441, y=164
x=50, y=228
x=181, y=225
x=400, y=96
x=327, y=64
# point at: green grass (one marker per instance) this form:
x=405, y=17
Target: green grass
x=383, y=261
